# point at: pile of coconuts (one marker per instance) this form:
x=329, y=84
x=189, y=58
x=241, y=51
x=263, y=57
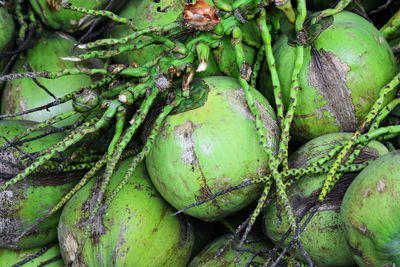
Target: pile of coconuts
x=199, y=133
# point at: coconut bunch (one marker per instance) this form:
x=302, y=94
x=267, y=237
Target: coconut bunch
x=135, y=132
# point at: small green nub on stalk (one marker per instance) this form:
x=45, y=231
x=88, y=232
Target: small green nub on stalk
x=85, y=101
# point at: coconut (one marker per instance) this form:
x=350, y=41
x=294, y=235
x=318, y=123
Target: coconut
x=370, y=212
x=24, y=94
x=202, y=151
x=323, y=238
x=340, y=78
x=135, y=230
x=24, y=203
x=10, y=257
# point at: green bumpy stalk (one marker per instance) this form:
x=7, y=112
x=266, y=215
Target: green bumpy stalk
x=286, y=7
x=291, y=175
x=20, y=18
x=245, y=3
x=257, y=66
x=65, y=98
x=100, y=13
x=74, y=137
x=132, y=93
x=55, y=167
x=285, y=135
x=130, y=37
x=136, y=121
x=203, y=51
x=221, y=4
x=146, y=148
x=266, y=37
x=391, y=26
x=99, y=164
x=384, y=112
x=116, y=90
x=342, y=4
x=119, y=128
x=43, y=125
x=52, y=75
x=387, y=133
x=110, y=52
x=331, y=179
x=274, y=17
x=85, y=158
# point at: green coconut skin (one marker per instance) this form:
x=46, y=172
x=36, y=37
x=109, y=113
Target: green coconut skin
x=23, y=94
x=338, y=97
x=143, y=14
x=7, y=34
x=370, y=212
x=10, y=257
x=54, y=15
x=323, y=238
x=211, y=148
x=228, y=259
x=135, y=230
x=26, y=202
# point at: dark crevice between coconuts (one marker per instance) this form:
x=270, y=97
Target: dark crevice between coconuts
x=354, y=250
x=334, y=200
x=328, y=74
x=184, y=231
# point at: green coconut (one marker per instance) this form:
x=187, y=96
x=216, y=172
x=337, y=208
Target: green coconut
x=24, y=94
x=340, y=78
x=371, y=215
x=54, y=15
x=135, y=230
x=143, y=14
x=10, y=257
x=24, y=203
x=208, y=149
x=7, y=34
x=323, y=237
x=229, y=258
